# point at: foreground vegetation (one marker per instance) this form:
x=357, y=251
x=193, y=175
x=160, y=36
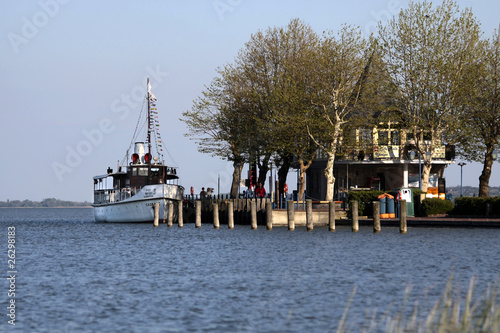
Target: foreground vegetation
x=451, y=313
x=45, y=203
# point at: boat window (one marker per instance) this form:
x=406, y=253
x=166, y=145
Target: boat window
x=143, y=171
x=134, y=171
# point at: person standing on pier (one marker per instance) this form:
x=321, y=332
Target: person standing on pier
x=260, y=192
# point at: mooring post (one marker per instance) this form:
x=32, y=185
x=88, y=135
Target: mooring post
x=354, y=212
x=309, y=217
x=230, y=214
x=156, y=221
x=180, y=215
x=402, y=217
x=331, y=216
x=253, y=212
x=170, y=214
x=215, y=207
x=290, y=215
x=269, y=214
x=376, y=217
x=198, y=214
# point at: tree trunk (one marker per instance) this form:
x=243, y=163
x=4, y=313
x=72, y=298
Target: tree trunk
x=283, y=173
x=484, y=178
x=426, y=171
x=302, y=174
x=238, y=166
x=302, y=180
x=330, y=178
x=263, y=169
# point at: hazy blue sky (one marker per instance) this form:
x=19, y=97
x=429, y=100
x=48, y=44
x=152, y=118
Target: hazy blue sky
x=70, y=71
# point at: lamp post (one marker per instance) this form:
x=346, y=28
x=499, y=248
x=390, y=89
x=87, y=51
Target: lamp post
x=461, y=167
x=412, y=157
x=419, y=172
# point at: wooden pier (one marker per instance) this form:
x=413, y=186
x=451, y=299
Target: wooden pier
x=259, y=212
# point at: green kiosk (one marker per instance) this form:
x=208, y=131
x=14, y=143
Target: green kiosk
x=405, y=193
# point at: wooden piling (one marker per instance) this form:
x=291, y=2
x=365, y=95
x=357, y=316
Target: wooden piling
x=245, y=211
x=180, y=215
x=253, y=212
x=309, y=217
x=269, y=215
x=156, y=220
x=376, y=217
x=170, y=214
x=198, y=214
x=402, y=217
x=290, y=216
x=331, y=216
x=215, y=207
x=354, y=211
x=238, y=210
x=230, y=214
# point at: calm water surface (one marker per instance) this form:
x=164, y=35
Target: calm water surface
x=74, y=275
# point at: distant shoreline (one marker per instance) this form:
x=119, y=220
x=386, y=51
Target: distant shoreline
x=48, y=207
x=45, y=203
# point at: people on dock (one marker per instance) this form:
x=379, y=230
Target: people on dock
x=260, y=192
x=203, y=194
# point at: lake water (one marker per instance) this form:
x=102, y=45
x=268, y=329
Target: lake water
x=73, y=275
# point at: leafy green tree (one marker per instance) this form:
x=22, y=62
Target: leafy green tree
x=278, y=63
x=426, y=52
x=259, y=106
x=479, y=132
x=217, y=121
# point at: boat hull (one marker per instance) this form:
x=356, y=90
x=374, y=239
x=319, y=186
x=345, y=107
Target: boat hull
x=140, y=207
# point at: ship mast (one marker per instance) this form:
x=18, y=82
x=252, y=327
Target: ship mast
x=149, y=122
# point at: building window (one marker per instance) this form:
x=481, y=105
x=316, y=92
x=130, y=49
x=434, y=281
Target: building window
x=395, y=139
x=383, y=138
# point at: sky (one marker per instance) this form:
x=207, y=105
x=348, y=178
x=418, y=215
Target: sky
x=71, y=73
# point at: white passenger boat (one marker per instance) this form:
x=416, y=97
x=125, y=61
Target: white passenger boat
x=130, y=193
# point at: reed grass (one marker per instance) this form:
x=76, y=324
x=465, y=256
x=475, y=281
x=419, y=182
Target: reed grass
x=451, y=313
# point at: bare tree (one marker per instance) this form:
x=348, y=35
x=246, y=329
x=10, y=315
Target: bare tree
x=343, y=62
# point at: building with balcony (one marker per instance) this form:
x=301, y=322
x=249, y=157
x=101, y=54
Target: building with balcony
x=381, y=157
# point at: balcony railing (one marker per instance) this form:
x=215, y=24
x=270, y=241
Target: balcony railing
x=386, y=152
